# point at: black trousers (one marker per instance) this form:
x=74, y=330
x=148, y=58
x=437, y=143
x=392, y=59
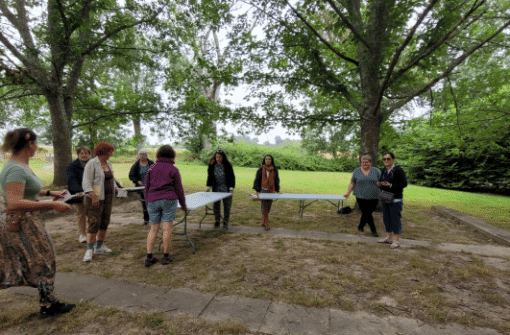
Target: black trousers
x=144, y=206
x=367, y=207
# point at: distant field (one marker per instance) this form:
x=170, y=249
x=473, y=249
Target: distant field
x=491, y=208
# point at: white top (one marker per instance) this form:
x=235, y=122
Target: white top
x=200, y=199
x=292, y=196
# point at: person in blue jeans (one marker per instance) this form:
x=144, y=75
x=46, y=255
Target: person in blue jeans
x=163, y=188
x=393, y=179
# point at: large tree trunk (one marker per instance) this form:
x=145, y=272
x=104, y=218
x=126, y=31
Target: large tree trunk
x=370, y=129
x=138, y=132
x=61, y=138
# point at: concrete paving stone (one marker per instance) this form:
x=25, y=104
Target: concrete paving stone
x=314, y=235
x=416, y=327
x=25, y=290
x=362, y=323
x=249, y=311
x=182, y=300
x=77, y=287
x=131, y=297
x=359, y=323
x=346, y=238
x=290, y=319
x=500, y=235
x=487, y=250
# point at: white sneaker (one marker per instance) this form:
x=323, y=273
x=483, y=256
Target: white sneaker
x=82, y=239
x=103, y=250
x=88, y=256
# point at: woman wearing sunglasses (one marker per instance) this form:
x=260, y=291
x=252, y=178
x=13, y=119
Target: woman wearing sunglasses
x=392, y=183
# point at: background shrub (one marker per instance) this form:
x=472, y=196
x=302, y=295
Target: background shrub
x=288, y=157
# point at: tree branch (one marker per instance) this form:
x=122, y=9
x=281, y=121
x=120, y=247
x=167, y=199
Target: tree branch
x=316, y=33
x=94, y=120
x=448, y=71
x=107, y=35
x=349, y=24
x=435, y=46
x=400, y=49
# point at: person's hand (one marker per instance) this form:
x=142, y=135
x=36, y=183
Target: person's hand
x=379, y=184
x=140, y=183
x=95, y=200
x=61, y=207
x=232, y=191
x=385, y=183
x=207, y=189
x=59, y=196
x=346, y=195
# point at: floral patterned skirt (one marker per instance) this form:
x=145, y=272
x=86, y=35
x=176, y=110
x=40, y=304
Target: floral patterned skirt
x=27, y=256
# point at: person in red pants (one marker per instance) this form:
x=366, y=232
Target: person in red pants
x=267, y=181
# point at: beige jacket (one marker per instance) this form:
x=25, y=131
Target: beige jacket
x=93, y=178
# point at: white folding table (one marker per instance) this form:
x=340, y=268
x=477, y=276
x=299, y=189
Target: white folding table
x=303, y=198
x=194, y=202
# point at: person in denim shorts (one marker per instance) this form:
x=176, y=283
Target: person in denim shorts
x=163, y=187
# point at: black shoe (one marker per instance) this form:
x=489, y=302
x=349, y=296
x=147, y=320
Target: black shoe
x=216, y=225
x=166, y=260
x=360, y=230
x=149, y=262
x=56, y=308
x=374, y=234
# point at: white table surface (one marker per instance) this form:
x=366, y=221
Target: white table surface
x=297, y=196
x=200, y=199
x=134, y=188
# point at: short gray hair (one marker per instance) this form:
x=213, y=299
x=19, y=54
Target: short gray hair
x=143, y=151
x=366, y=158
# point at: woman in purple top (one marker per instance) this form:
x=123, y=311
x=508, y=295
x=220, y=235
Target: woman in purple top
x=163, y=187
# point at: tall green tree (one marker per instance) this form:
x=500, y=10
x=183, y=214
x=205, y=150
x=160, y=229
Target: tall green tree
x=47, y=43
x=368, y=58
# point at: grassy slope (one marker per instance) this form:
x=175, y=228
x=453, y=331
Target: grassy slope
x=491, y=208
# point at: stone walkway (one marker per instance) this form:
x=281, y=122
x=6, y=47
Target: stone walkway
x=269, y=317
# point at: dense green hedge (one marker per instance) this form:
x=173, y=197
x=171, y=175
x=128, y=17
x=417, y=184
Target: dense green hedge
x=288, y=157
x=470, y=166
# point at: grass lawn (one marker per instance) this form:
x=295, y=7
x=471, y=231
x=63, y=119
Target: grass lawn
x=419, y=283
x=493, y=209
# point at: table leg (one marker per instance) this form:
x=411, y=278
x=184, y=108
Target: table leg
x=207, y=209
x=185, y=220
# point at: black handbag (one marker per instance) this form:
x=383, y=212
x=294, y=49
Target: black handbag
x=386, y=197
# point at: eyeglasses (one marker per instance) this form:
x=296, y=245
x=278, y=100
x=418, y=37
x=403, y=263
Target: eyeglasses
x=387, y=159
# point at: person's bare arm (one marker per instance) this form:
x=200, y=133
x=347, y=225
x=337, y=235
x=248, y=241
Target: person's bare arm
x=15, y=202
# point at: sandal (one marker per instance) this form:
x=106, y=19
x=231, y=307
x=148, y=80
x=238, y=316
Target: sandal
x=394, y=245
x=385, y=240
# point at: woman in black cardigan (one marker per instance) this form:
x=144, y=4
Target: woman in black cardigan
x=137, y=176
x=393, y=179
x=74, y=174
x=221, y=178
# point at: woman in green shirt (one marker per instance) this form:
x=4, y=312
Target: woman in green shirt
x=364, y=183
x=27, y=257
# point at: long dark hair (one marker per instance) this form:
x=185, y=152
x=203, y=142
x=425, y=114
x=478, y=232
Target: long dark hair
x=264, y=160
x=224, y=160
